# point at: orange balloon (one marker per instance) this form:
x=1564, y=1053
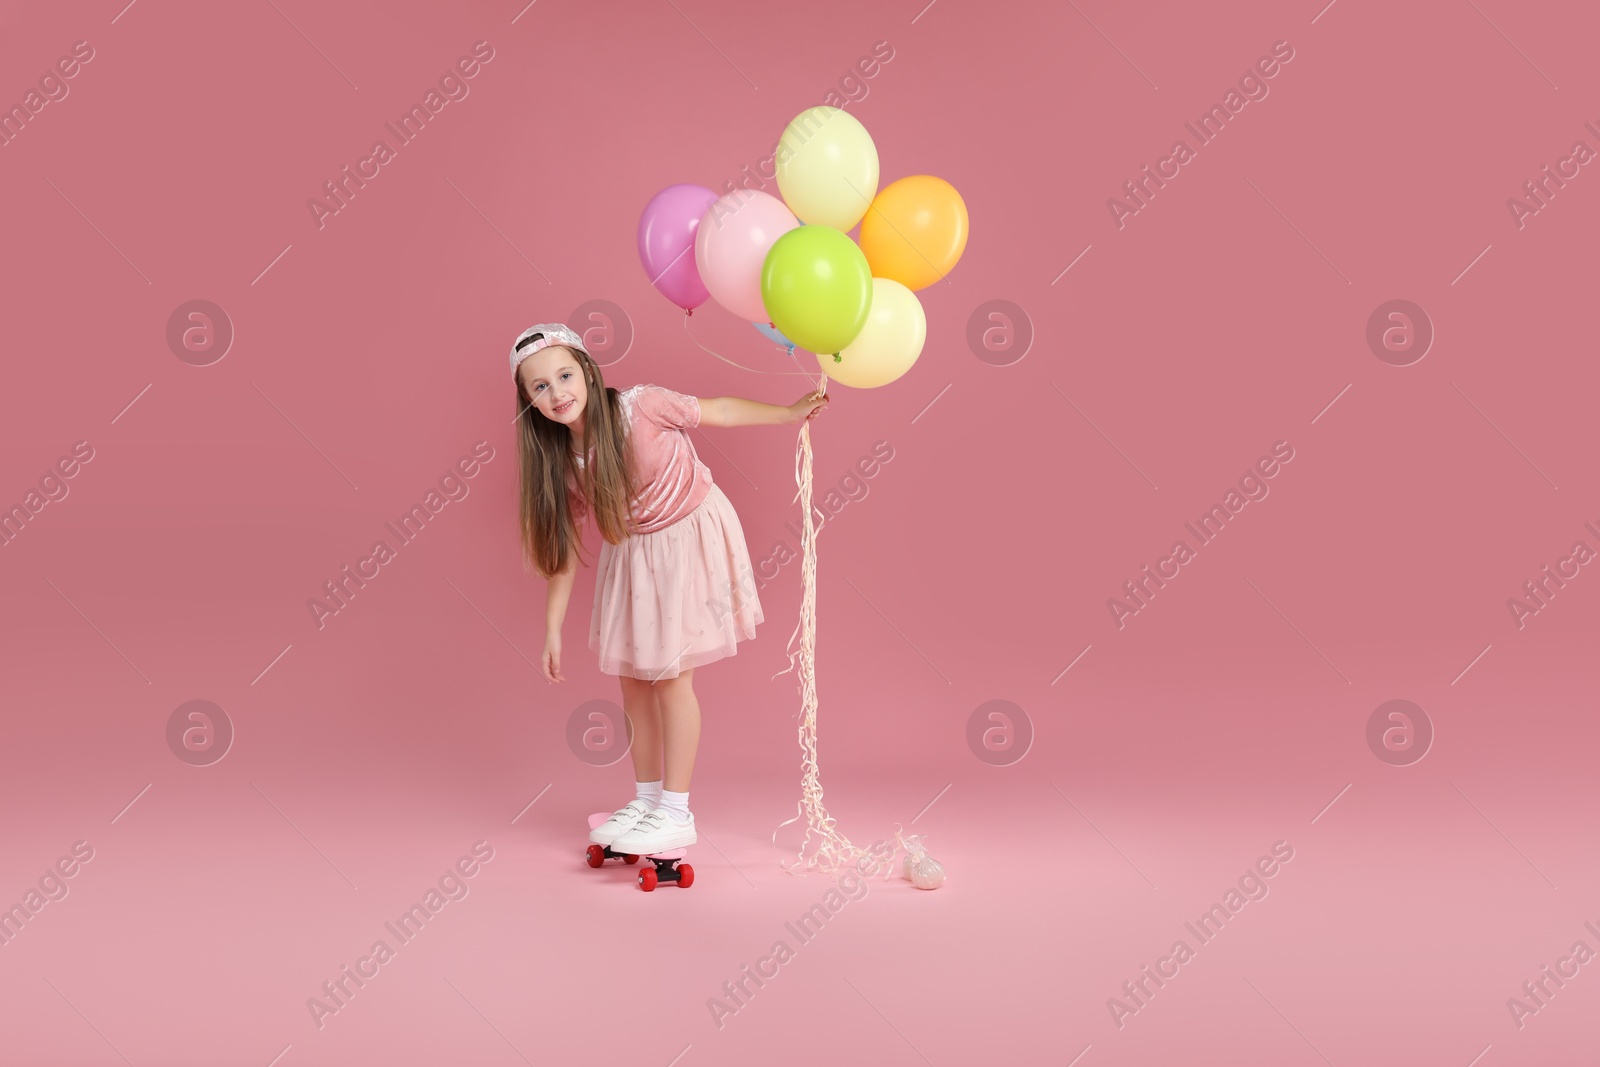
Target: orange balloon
x=914, y=231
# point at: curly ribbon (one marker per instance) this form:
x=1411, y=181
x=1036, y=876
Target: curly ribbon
x=832, y=851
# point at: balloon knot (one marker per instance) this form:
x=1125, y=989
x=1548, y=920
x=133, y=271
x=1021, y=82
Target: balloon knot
x=836, y=358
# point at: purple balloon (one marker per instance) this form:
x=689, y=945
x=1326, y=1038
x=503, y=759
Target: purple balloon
x=666, y=242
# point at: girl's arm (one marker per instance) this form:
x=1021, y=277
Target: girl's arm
x=737, y=411
x=560, y=591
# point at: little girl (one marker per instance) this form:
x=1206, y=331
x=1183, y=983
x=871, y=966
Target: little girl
x=674, y=585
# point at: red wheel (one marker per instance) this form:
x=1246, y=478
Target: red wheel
x=685, y=876
x=596, y=854
x=647, y=879
x=630, y=859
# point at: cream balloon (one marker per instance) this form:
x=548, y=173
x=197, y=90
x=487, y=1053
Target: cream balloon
x=887, y=345
x=827, y=168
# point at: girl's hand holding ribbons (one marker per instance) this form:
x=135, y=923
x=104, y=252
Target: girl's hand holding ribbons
x=809, y=406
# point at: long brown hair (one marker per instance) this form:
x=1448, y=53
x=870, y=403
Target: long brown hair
x=550, y=533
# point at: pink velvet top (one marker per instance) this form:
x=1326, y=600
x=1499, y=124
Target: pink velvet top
x=671, y=480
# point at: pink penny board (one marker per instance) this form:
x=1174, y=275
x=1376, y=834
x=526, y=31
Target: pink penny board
x=671, y=854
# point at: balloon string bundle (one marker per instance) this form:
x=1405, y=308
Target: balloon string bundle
x=832, y=851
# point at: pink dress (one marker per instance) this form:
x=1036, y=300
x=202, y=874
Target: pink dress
x=681, y=592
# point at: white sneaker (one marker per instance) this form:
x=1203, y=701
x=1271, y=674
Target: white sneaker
x=622, y=820
x=656, y=831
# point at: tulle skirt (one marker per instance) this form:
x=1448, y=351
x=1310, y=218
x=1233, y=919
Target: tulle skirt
x=669, y=601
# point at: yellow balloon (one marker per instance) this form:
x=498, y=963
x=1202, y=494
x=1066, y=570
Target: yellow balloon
x=827, y=168
x=915, y=231
x=887, y=345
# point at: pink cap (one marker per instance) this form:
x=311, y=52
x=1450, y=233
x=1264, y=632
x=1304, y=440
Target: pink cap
x=554, y=334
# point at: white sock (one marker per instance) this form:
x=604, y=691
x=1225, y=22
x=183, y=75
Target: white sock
x=675, y=804
x=650, y=793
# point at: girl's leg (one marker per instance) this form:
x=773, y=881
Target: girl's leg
x=642, y=706
x=680, y=724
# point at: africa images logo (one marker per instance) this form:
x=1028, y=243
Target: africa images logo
x=455, y=486
x=1207, y=128
x=452, y=83
x=1252, y=487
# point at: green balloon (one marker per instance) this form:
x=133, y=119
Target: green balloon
x=817, y=287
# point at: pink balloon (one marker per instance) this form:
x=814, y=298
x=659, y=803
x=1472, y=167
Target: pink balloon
x=734, y=238
x=666, y=242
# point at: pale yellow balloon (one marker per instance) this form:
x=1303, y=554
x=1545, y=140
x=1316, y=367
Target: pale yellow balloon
x=887, y=345
x=827, y=168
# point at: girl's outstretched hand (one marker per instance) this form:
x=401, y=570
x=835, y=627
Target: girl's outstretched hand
x=550, y=662
x=809, y=406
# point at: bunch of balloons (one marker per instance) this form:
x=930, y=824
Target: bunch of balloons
x=790, y=268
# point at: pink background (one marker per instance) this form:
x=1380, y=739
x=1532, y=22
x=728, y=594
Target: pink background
x=974, y=566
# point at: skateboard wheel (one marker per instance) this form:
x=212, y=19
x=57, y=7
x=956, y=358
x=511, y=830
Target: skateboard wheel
x=647, y=879
x=596, y=854
x=630, y=859
x=685, y=876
